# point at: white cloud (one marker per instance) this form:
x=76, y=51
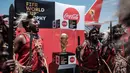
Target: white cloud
x=108, y=3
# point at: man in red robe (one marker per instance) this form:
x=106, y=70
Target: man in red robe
x=5, y=64
x=29, y=47
x=90, y=52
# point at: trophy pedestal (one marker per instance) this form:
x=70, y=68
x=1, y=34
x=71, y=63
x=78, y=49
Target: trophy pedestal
x=66, y=62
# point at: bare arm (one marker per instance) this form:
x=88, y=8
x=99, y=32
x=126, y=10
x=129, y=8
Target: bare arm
x=18, y=42
x=85, y=43
x=81, y=54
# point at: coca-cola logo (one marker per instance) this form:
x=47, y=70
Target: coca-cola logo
x=64, y=23
x=72, y=59
x=71, y=14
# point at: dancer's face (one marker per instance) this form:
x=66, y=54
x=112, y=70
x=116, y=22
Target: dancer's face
x=34, y=25
x=94, y=35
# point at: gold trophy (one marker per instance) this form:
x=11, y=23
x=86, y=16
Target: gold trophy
x=64, y=42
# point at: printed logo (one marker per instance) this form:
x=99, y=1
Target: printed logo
x=72, y=59
x=92, y=13
x=57, y=60
x=71, y=14
x=64, y=23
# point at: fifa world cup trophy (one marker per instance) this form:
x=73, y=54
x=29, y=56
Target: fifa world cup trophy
x=64, y=42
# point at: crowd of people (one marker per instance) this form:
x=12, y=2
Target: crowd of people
x=107, y=52
x=28, y=47
x=101, y=52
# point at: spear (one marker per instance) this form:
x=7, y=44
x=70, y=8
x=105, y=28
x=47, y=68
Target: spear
x=111, y=32
x=11, y=31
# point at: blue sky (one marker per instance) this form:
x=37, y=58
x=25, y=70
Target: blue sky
x=109, y=8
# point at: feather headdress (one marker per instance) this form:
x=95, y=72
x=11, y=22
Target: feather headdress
x=6, y=21
x=22, y=17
